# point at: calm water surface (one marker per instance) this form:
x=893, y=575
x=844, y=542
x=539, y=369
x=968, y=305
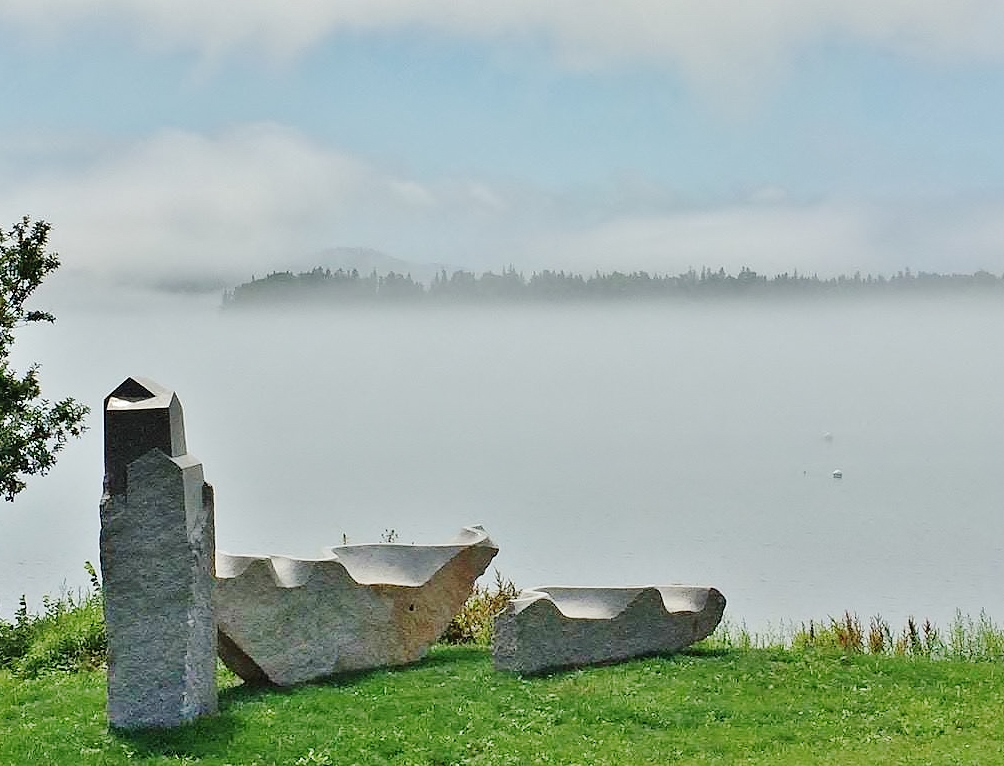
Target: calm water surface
x=613, y=445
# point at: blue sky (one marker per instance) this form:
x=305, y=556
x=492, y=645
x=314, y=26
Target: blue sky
x=227, y=138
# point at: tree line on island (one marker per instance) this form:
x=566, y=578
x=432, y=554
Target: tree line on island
x=345, y=286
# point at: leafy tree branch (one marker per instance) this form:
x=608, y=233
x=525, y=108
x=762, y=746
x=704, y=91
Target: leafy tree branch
x=32, y=429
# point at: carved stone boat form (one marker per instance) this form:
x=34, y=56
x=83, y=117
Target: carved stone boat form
x=285, y=621
x=561, y=627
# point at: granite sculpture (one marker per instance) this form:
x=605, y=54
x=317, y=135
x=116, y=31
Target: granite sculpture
x=561, y=627
x=157, y=556
x=285, y=621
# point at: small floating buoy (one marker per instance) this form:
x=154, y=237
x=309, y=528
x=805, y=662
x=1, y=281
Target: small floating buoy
x=838, y=474
x=828, y=437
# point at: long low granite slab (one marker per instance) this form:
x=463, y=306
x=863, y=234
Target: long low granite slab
x=550, y=628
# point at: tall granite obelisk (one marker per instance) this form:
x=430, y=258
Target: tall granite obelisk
x=157, y=563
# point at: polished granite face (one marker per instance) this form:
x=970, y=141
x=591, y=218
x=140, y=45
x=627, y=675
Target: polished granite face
x=139, y=415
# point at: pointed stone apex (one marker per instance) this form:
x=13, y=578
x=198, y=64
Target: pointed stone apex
x=140, y=390
x=140, y=415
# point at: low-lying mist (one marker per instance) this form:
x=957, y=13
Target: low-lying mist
x=598, y=444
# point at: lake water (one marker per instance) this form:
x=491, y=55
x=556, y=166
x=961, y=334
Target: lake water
x=603, y=445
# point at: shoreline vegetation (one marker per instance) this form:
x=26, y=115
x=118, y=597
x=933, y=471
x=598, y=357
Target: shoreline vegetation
x=833, y=691
x=341, y=287
x=68, y=634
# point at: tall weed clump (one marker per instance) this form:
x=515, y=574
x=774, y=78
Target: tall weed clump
x=979, y=639
x=68, y=634
x=968, y=639
x=849, y=636
x=475, y=622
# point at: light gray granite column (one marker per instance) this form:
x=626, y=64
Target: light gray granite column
x=157, y=563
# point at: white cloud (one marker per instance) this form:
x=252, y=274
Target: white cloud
x=183, y=203
x=413, y=193
x=826, y=237
x=180, y=202
x=769, y=239
x=263, y=197
x=260, y=197
x=713, y=42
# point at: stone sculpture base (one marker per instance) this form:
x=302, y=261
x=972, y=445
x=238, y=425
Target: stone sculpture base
x=285, y=621
x=562, y=627
x=157, y=549
x=157, y=546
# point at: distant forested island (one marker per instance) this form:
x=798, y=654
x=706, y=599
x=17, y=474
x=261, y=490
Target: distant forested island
x=322, y=286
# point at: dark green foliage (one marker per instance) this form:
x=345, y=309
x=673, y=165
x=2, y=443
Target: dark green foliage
x=475, y=623
x=69, y=634
x=323, y=286
x=333, y=288
x=15, y=637
x=32, y=429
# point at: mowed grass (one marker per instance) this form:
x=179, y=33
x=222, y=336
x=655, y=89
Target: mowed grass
x=767, y=706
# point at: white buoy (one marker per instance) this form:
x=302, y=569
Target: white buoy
x=838, y=474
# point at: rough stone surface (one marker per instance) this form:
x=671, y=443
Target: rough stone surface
x=286, y=621
x=157, y=558
x=561, y=627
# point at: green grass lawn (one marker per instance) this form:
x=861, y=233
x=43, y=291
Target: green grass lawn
x=768, y=706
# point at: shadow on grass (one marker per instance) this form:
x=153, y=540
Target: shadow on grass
x=212, y=735
x=695, y=652
x=209, y=736
x=705, y=651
